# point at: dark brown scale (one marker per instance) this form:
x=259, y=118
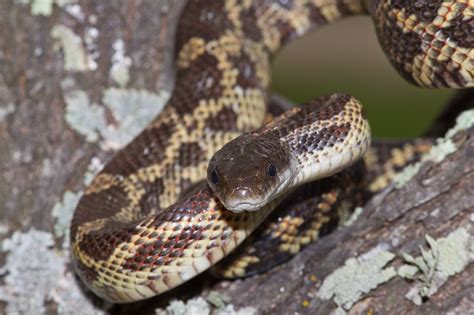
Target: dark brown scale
x=461, y=31
x=201, y=21
x=137, y=155
x=309, y=113
x=316, y=16
x=190, y=154
x=249, y=24
x=110, y=201
x=150, y=201
x=101, y=244
x=400, y=47
x=226, y=116
x=199, y=81
x=424, y=10
x=246, y=77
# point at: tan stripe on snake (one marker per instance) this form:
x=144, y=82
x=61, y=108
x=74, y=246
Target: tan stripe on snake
x=149, y=221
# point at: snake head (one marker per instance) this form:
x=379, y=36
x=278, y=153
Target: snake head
x=250, y=171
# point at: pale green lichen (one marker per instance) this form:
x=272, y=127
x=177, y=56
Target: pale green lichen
x=6, y=110
x=217, y=299
x=407, y=271
x=119, y=72
x=4, y=228
x=87, y=119
x=355, y=215
x=133, y=110
x=62, y=212
x=444, y=258
x=464, y=121
x=442, y=148
x=339, y=311
x=199, y=306
x=75, y=56
x=196, y=306
x=35, y=274
x=43, y=7
x=94, y=167
x=358, y=276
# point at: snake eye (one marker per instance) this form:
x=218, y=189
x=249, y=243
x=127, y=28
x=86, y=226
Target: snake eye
x=272, y=170
x=214, y=177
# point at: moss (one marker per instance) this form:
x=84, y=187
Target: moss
x=347, y=284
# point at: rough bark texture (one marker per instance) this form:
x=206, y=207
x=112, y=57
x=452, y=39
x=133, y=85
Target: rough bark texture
x=43, y=156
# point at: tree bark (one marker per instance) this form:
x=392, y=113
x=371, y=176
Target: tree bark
x=50, y=57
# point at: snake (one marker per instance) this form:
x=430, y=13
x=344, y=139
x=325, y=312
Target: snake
x=207, y=171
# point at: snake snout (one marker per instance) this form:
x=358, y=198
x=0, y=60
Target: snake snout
x=242, y=192
x=242, y=199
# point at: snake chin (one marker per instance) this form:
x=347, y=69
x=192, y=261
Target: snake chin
x=238, y=206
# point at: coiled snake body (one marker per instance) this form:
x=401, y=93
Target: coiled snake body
x=149, y=221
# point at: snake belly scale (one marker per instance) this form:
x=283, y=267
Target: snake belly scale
x=149, y=221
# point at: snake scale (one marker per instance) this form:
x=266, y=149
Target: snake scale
x=149, y=221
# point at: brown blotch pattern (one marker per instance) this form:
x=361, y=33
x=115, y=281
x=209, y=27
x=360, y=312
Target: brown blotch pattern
x=461, y=30
x=224, y=48
x=424, y=10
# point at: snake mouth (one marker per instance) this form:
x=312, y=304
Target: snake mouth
x=238, y=205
